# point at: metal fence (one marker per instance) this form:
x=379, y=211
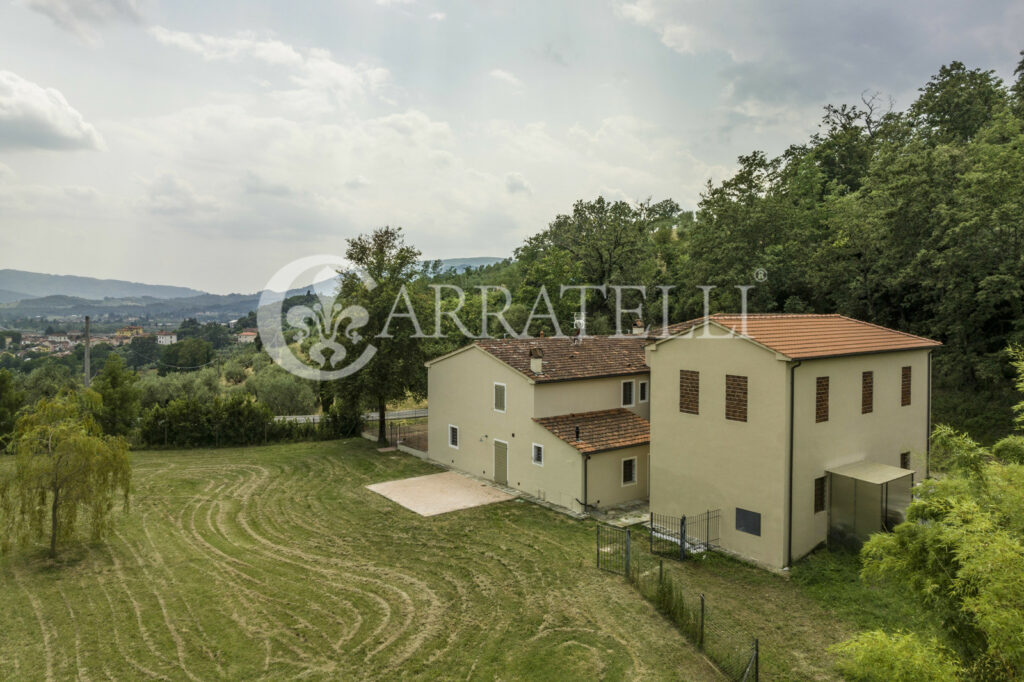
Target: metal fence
x=734, y=652
x=412, y=434
x=679, y=536
x=613, y=547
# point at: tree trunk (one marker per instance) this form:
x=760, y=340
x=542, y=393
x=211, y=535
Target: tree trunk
x=53, y=523
x=382, y=437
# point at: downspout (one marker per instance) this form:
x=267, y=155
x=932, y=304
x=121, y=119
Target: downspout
x=789, y=511
x=585, y=502
x=928, y=423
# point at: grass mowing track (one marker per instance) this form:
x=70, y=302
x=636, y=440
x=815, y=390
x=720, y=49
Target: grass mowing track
x=276, y=562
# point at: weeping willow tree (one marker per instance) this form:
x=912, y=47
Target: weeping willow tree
x=66, y=472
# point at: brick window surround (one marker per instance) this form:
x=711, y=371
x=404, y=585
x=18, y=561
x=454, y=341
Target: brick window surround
x=736, y=397
x=905, y=387
x=821, y=399
x=867, y=392
x=689, y=391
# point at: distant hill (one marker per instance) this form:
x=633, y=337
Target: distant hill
x=8, y=296
x=29, y=294
x=461, y=264
x=37, y=284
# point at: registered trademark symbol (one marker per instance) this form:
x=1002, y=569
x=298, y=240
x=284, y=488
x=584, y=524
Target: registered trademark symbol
x=760, y=274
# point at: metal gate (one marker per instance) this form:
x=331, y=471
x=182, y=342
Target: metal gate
x=679, y=536
x=613, y=549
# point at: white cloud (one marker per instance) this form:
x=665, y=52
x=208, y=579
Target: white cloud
x=170, y=195
x=515, y=183
x=316, y=82
x=506, y=77
x=436, y=16
x=82, y=16
x=244, y=45
x=34, y=117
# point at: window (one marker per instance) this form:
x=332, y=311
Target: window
x=538, y=454
x=453, y=436
x=735, y=398
x=629, y=471
x=904, y=460
x=905, y=387
x=867, y=392
x=627, y=393
x=689, y=391
x=821, y=400
x=819, y=494
x=748, y=522
x=499, y=397
x=643, y=392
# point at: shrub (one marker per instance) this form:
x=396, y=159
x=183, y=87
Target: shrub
x=1010, y=450
x=876, y=656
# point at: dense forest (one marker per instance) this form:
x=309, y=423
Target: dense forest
x=911, y=219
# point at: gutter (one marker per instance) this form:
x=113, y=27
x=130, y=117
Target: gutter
x=928, y=422
x=789, y=511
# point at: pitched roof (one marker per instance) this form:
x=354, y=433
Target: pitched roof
x=595, y=356
x=601, y=430
x=804, y=337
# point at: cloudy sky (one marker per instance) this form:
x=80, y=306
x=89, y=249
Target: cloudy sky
x=207, y=143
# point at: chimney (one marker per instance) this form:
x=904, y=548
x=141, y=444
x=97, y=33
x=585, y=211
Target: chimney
x=577, y=433
x=536, y=360
x=638, y=328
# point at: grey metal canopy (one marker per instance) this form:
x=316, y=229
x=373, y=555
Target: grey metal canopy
x=870, y=472
x=864, y=498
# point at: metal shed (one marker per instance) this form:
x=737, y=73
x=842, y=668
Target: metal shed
x=865, y=498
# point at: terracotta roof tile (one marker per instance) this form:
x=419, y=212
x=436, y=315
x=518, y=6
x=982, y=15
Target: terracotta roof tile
x=601, y=430
x=595, y=356
x=803, y=337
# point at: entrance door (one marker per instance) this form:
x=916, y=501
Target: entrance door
x=501, y=462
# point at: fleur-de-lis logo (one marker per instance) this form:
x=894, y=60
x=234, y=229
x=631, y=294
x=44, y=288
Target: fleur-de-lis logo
x=323, y=322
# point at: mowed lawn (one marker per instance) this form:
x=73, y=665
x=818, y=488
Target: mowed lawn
x=276, y=562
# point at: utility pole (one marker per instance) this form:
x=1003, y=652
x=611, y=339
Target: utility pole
x=88, y=343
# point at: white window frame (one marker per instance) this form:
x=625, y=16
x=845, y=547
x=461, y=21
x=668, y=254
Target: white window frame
x=636, y=473
x=533, y=454
x=458, y=437
x=632, y=393
x=504, y=389
x=644, y=395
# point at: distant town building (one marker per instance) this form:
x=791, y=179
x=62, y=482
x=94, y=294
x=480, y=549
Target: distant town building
x=247, y=336
x=129, y=332
x=166, y=338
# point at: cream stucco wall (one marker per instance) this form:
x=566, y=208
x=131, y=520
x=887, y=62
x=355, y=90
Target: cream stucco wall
x=588, y=395
x=704, y=461
x=460, y=389
x=849, y=436
x=605, y=488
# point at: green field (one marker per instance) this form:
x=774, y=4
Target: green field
x=276, y=562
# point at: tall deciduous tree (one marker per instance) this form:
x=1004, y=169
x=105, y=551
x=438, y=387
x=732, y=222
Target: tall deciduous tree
x=11, y=400
x=65, y=469
x=116, y=385
x=397, y=367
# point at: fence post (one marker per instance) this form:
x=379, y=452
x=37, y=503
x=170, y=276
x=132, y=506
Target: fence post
x=661, y=571
x=700, y=641
x=682, y=538
x=707, y=531
x=627, y=553
x=599, y=545
x=756, y=657
x=652, y=533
